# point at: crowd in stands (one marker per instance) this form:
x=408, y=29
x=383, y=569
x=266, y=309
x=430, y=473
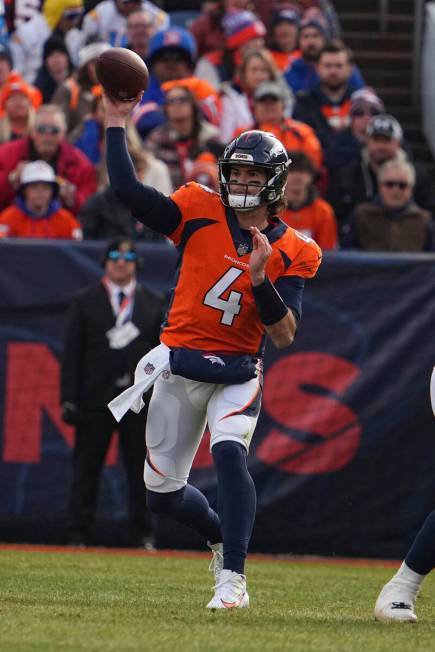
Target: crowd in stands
x=217, y=68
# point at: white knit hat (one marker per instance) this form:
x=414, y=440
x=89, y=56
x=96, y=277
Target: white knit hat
x=90, y=52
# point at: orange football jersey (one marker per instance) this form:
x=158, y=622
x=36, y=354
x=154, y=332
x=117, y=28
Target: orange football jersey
x=213, y=307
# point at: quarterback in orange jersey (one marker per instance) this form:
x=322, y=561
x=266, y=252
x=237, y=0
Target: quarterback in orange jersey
x=240, y=277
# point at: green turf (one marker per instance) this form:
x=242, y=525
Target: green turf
x=89, y=602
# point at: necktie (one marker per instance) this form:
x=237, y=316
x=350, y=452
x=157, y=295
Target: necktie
x=121, y=297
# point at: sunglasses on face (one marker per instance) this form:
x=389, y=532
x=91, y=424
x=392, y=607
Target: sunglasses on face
x=358, y=113
x=395, y=184
x=72, y=14
x=129, y=256
x=177, y=100
x=48, y=129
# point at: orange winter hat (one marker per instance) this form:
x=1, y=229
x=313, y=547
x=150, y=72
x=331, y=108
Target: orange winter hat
x=16, y=85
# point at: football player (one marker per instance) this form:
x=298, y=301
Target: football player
x=240, y=276
x=396, y=601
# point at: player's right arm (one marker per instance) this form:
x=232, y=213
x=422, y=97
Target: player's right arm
x=147, y=204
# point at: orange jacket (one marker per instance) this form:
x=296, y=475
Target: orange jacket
x=62, y=224
x=295, y=136
x=315, y=219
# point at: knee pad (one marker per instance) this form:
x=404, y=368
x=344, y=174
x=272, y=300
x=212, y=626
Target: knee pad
x=159, y=475
x=164, y=503
x=236, y=428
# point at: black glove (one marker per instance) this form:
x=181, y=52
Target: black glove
x=71, y=413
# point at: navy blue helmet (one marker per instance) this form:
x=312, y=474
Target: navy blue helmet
x=260, y=149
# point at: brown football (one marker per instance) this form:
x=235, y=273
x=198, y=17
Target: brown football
x=121, y=73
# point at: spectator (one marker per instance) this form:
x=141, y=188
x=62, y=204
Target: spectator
x=326, y=107
x=172, y=55
x=284, y=29
x=364, y=104
x=269, y=114
x=207, y=28
x=140, y=29
x=237, y=97
x=392, y=221
x=37, y=212
x=88, y=137
x=77, y=93
x=60, y=17
x=6, y=64
x=357, y=182
x=109, y=326
x=46, y=141
x=17, y=104
x=108, y=20
x=104, y=216
x=55, y=69
x=306, y=211
x=320, y=10
x=184, y=137
x=303, y=73
x=243, y=33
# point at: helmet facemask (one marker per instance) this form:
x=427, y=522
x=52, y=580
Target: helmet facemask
x=268, y=193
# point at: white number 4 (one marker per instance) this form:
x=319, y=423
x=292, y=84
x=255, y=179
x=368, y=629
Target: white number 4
x=231, y=306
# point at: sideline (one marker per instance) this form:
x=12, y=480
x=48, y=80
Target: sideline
x=194, y=554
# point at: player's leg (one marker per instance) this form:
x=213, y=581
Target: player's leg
x=396, y=601
x=232, y=415
x=175, y=426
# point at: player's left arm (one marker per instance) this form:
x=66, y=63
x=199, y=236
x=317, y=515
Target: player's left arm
x=280, y=305
x=279, y=322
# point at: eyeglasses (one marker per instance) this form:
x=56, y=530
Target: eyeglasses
x=129, y=256
x=268, y=98
x=395, y=184
x=177, y=100
x=48, y=129
x=358, y=113
x=72, y=14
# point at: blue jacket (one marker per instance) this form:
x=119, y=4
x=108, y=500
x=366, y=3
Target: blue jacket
x=303, y=76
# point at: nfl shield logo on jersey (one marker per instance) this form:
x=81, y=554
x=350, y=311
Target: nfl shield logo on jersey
x=242, y=249
x=149, y=369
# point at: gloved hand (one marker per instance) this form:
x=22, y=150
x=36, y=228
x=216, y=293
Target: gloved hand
x=71, y=413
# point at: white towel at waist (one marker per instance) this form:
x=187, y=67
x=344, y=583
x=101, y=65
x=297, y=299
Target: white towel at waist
x=148, y=369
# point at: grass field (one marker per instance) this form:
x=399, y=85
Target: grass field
x=77, y=601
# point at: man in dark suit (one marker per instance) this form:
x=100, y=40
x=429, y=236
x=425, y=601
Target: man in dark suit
x=110, y=326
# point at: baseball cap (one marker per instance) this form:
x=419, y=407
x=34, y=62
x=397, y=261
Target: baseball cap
x=38, y=172
x=285, y=16
x=269, y=88
x=312, y=22
x=173, y=39
x=90, y=52
x=385, y=125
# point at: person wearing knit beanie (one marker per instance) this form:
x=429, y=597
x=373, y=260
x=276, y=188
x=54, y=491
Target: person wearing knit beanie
x=241, y=27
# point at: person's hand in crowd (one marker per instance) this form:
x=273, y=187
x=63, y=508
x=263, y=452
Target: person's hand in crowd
x=70, y=413
x=67, y=192
x=15, y=175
